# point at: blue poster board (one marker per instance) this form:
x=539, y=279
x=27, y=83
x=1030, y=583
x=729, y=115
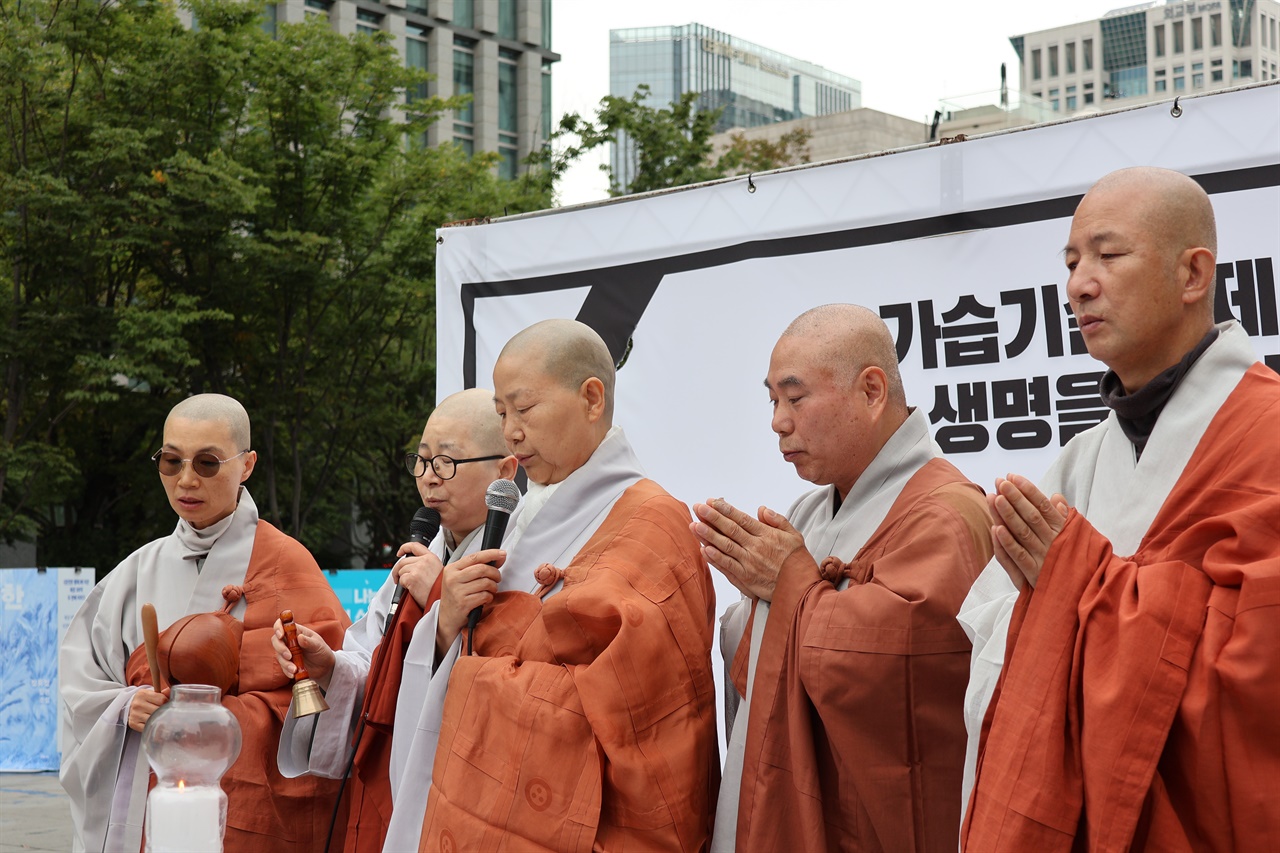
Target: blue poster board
x=356, y=588
x=36, y=605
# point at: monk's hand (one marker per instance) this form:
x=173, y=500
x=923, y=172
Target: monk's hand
x=1027, y=522
x=748, y=551
x=417, y=573
x=318, y=658
x=413, y=549
x=145, y=703
x=468, y=583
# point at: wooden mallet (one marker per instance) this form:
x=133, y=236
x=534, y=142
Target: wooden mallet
x=151, y=638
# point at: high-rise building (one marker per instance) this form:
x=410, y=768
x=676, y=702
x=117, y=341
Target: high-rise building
x=499, y=51
x=1149, y=52
x=754, y=85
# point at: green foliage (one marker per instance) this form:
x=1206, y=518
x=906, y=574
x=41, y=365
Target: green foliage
x=214, y=210
x=666, y=147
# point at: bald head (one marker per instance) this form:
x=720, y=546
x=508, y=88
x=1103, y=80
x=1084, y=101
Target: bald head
x=215, y=407
x=1168, y=203
x=1141, y=271
x=851, y=339
x=473, y=410
x=836, y=392
x=1169, y=206
x=569, y=352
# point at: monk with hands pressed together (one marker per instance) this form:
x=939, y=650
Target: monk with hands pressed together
x=1126, y=665
x=851, y=735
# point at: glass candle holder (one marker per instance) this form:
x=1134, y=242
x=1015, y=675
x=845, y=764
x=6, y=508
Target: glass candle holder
x=190, y=742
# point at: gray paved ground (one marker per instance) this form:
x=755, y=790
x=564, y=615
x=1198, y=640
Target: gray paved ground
x=34, y=814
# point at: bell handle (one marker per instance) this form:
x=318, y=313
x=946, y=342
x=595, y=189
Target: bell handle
x=295, y=649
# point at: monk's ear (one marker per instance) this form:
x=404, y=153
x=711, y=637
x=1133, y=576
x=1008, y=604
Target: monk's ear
x=507, y=468
x=592, y=393
x=874, y=386
x=250, y=460
x=1201, y=274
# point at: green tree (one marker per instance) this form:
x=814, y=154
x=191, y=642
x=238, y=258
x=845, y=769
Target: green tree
x=666, y=146
x=84, y=330
x=214, y=210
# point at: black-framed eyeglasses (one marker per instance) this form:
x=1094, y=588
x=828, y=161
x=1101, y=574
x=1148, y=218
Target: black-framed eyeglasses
x=205, y=465
x=444, y=466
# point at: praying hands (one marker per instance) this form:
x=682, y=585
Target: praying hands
x=1027, y=522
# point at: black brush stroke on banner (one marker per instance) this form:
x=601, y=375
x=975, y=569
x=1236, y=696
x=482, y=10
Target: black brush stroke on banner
x=620, y=294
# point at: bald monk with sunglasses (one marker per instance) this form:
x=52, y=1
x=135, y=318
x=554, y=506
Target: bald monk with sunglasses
x=220, y=557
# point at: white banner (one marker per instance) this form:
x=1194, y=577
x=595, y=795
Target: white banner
x=958, y=247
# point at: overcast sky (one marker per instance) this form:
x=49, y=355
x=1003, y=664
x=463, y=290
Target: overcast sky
x=908, y=54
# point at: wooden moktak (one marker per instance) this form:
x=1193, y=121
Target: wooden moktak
x=202, y=648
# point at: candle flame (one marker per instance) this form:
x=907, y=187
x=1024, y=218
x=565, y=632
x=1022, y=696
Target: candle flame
x=181, y=784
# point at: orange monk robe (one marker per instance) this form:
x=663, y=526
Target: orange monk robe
x=856, y=735
x=265, y=811
x=1139, y=705
x=586, y=721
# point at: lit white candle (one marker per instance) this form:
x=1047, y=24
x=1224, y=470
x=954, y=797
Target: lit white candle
x=185, y=819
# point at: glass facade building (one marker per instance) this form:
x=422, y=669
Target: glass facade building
x=1150, y=51
x=753, y=85
x=1124, y=54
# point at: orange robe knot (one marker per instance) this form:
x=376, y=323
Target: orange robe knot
x=231, y=593
x=547, y=576
x=832, y=569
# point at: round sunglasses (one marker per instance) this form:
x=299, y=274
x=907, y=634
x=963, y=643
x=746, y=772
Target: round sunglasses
x=205, y=465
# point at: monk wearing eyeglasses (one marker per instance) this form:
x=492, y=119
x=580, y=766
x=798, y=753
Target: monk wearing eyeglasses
x=220, y=557
x=378, y=680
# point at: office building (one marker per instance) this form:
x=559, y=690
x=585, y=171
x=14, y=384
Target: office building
x=499, y=51
x=754, y=85
x=1148, y=52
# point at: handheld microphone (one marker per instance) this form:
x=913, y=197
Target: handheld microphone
x=501, y=498
x=423, y=528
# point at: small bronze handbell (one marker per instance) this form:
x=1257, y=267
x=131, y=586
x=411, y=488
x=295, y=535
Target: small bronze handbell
x=308, y=698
